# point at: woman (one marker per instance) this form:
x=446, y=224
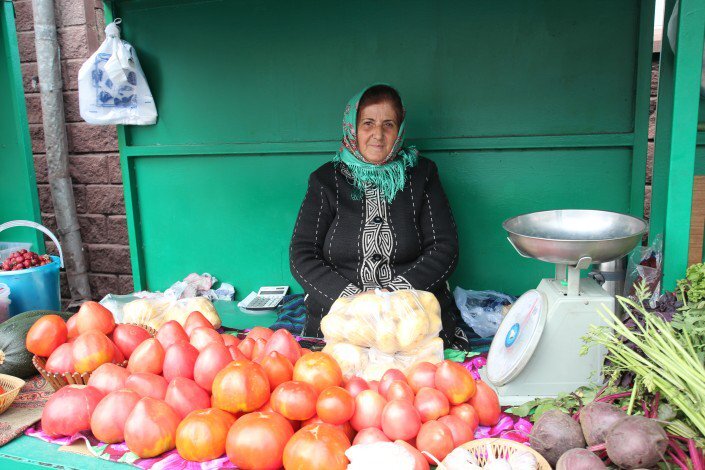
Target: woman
x=375, y=217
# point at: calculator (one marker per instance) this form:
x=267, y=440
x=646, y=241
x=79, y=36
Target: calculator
x=267, y=298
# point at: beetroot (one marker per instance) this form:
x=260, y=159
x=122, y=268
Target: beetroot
x=554, y=434
x=636, y=442
x=579, y=459
x=596, y=418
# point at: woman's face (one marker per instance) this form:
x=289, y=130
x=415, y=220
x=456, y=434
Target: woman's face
x=377, y=129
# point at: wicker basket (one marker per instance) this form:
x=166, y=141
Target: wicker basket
x=502, y=449
x=12, y=386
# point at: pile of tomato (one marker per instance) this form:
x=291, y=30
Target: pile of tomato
x=264, y=401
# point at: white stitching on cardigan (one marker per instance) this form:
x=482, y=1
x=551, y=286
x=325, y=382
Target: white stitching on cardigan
x=318, y=221
x=430, y=213
x=337, y=220
x=413, y=207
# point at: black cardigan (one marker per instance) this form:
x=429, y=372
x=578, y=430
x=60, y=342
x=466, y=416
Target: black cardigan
x=342, y=246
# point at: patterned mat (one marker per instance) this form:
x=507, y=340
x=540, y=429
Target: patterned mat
x=25, y=410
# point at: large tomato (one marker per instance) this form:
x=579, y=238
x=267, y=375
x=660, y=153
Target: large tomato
x=128, y=337
x=150, y=428
x=387, y=378
x=90, y=350
x=147, y=385
x=345, y=427
x=69, y=410
x=317, y=447
x=203, y=336
x=455, y=382
x=278, y=369
x=431, y=403
x=486, y=403
x=46, y=334
x=195, y=320
x=109, y=417
x=147, y=357
x=259, y=349
x=370, y=435
x=400, y=420
x=282, y=342
x=257, y=441
x=212, y=359
x=467, y=413
x=420, y=462
x=241, y=386
x=260, y=332
x=318, y=369
x=435, y=438
x=201, y=435
x=118, y=357
x=170, y=333
x=93, y=316
x=61, y=360
x=108, y=377
x=229, y=340
x=368, y=410
x=460, y=430
x=71, y=327
x=335, y=405
x=422, y=374
x=294, y=400
x=185, y=396
x=236, y=354
x=179, y=361
x=246, y=347
x=355, y=385
x=399, y=390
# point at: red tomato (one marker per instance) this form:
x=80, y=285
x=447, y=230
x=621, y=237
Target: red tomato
x=467, y=413
x=69, y=410
x=267, y=408
x=71, y=327
x=179, y=361
x=236, y=354
x=420, y=462
x=294, y=400
x=278, y=369
x=390, y=376
x=318, y=369
x=202, y=337
x=109, y=417
x=128, y=337
x=90, y=350
x=400, y=420
x=46, y=334
x=399, y=390
x=195, y=320
x=147, y=357
x=436, y=439
x=355, y=385
x=201, y=436
x=373, y=384
x=257, y=441
x=185, y=396
x=246, y=347
x=282, y=342
x=455, y=382
x=259, y=349
x=229, y=340
x=150, y=429
x=305, y=351
x=61, y=360
x=260, y=332
x=461, y=431
x=345, y=427
x=486, y=403
x=240, y=386
x=147, y=385
x=370, y=435
x=170, y=333
x=317, y=447
x=93, y=316
x=212, y=359
x=431, y=403
x=335, y=405
x=422, y=374
x=368, y=410
x=108, y=377
x=118, y=357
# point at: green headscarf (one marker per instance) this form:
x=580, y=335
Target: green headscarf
x=389, y=176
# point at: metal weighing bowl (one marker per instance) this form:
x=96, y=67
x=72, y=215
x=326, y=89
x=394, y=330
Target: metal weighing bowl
x=565, y=236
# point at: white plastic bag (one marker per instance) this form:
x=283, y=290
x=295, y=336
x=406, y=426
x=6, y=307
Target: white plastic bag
x=112, y=88
x=482, y=310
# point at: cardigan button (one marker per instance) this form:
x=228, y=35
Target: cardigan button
x=376, y=257
x=377, y=219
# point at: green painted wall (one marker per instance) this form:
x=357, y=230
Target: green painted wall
x=524, y=106
x=18, y=189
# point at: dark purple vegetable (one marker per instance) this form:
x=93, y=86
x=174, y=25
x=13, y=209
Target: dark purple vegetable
x=579, y=459
x=554, y=434
x=596, y=419
x=636, y=442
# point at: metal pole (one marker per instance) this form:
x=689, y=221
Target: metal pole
x=50, y=86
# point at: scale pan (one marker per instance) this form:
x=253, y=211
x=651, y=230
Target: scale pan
x=565, y=236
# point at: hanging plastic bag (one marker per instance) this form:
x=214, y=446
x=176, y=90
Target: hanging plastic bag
x=482, y=310
x=112, y=88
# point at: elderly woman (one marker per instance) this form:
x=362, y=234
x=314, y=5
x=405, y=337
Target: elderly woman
x=375, y=217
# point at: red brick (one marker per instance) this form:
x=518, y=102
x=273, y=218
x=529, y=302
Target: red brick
x=117, y=230
x=50, y=247
x=89, y=169
x=25, y=42
x=103, y=284
x=93, y=228
x=49, y=221
x=24, y=19
x=69, y=13
x=64, y=283
x=40, y=169
x=652, y=119
x=30, y=77
x=105, y=199
x=69, y=73
x=85, y=138
x=649, y=162
x=46, y=204
x=647, y=202
x=34, y=108
x=36, y=133
x=654, y=78
x=114, y=259
x=126, y=285
x=72, y=113
x=79, y=195
x=72, y=42
x=114, y=169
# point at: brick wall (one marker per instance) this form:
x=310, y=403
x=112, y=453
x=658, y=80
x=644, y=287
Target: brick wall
x=652, y=134
x=93, y=150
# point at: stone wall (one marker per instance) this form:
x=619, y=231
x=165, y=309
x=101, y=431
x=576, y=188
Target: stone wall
x=93, y=150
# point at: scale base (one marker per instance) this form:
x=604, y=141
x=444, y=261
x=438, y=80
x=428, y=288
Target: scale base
x=556, y=366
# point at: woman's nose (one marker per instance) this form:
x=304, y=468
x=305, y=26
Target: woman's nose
x=377, y=132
